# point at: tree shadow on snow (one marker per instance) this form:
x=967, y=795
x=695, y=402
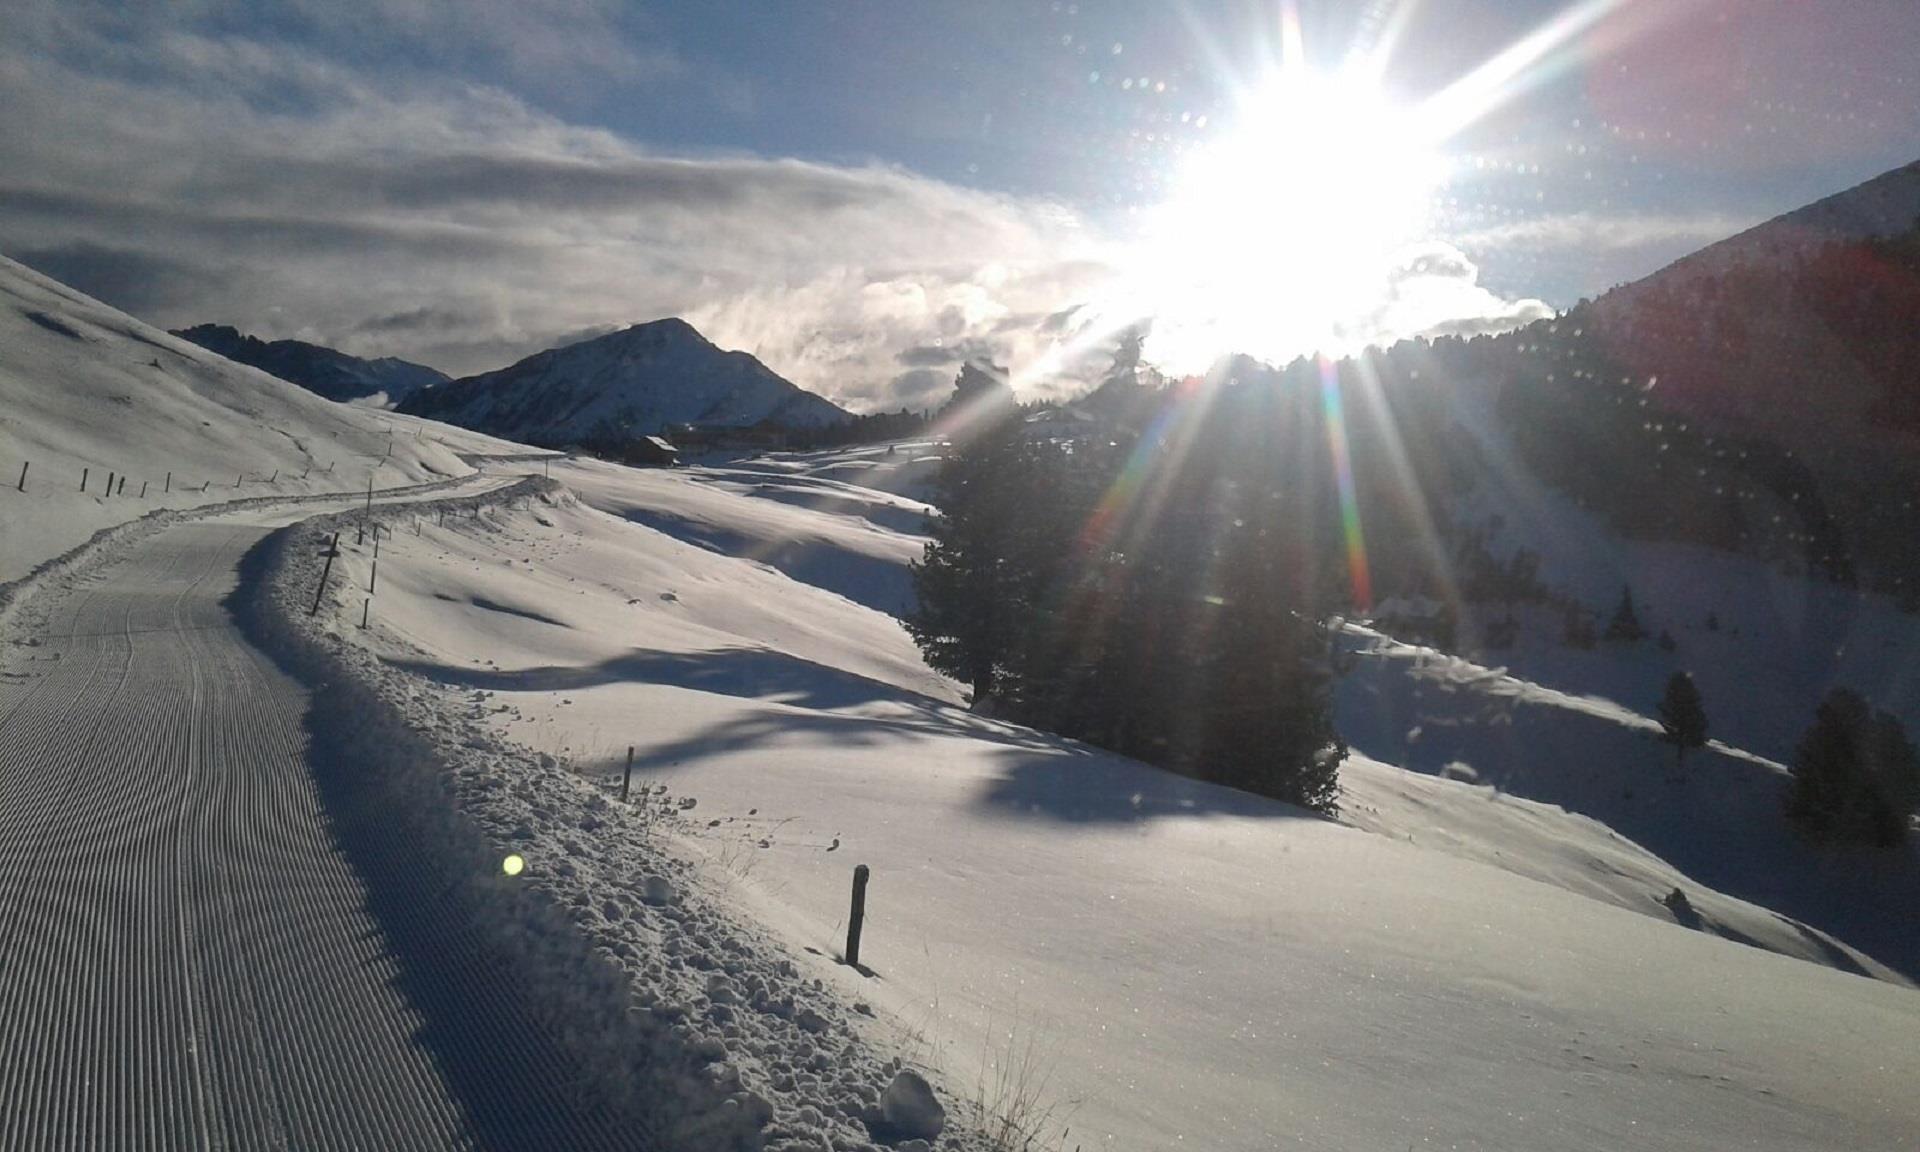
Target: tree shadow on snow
x=1102, y=788
x=747, y=672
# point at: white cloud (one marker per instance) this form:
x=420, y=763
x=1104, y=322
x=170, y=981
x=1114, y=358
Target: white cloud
x=200, y=177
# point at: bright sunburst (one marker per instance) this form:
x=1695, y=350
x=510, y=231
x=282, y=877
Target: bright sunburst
x=1285, y=228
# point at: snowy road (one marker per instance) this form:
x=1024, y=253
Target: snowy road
x=188, y=957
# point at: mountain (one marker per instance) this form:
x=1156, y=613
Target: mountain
x=1805, y=329
x=1761, y=395
x=89, y=393
x=630, y=383
x=317, y=368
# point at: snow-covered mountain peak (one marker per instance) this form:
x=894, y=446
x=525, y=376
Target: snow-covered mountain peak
x=637, y=381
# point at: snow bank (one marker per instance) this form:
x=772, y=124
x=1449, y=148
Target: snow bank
x=694, y=1026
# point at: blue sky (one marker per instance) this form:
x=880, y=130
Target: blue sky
x=846, y=187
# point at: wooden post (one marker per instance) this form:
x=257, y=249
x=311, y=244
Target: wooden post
x=366, y=607
x=857, y=918
x=123, y=487
x=83, y=479
x=23, y=477
x=333, y=550
x=109, y=483
x=143, y=489
x=169, y=487
x=275, y=478
x=373, y=577
x=626, y=781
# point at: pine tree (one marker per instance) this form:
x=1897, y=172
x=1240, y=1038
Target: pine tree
x=1625, y=624
x=971, y=601
x=1683, y=717
x=1856, y=777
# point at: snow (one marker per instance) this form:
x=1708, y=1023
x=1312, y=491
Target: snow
x=1457, y=965
x=86, y=387
x=640, y=380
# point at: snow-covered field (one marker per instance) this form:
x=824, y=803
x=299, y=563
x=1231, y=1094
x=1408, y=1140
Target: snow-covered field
x=88, y=392
x=1163, y=962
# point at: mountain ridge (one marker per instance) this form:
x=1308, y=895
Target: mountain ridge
x=325, y=371
x=637, y=381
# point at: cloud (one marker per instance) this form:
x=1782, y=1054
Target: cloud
x=1436, y=291
x=289, y=186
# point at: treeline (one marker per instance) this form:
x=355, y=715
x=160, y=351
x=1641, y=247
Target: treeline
x=1161, y=588
x=1770, y=409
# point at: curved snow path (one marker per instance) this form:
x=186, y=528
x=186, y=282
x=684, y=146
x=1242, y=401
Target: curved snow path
x=187, y=959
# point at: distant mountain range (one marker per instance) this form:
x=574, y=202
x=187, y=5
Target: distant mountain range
x=637, y=382
x=327, y=371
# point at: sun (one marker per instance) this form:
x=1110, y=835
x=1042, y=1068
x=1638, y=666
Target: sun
x=1280, y=234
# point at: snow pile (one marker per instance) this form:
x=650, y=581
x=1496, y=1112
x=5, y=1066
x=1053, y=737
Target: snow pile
x=88, y=392
x=1162, y=961
x=723, y=1042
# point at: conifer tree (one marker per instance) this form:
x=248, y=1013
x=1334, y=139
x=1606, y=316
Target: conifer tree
x=1625, y=624
x=1683, y=717
x=1856, y=777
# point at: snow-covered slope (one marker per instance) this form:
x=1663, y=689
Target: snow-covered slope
x=635, y=382
x=1886, y=205
x=1164, y=962
x=331, y=373
x=87, y=391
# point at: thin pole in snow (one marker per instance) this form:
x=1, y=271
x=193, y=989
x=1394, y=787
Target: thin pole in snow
x=143, y=489
x=169, y=487
x=856, y=919
x=626, y=781
x=374, y=575
x=366, y=607
x=123, y=487
x=109, y=483
x=333, y=549
x=23, y=477
x=83, y=479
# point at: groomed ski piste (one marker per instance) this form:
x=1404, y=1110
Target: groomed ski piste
x=256, y=885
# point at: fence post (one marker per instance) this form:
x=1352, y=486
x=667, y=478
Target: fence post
x=373, y=577
x=109, y=483
x=275, y=478
x=333, y=549
x=123, y=487
x=626, y=781
x=143, y=489
x=366, y=514
x=23, y=477
x=857, y=918
x=237, y=479
x=83, y=479
x=366, y=607
x=169, y=487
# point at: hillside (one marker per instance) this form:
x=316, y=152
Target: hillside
x=1158, y=961
x=606, y=391
x=331, y=373
x=87, y=391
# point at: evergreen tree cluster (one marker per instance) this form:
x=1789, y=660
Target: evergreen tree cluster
x=1856, y=776
x=1164, y=595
